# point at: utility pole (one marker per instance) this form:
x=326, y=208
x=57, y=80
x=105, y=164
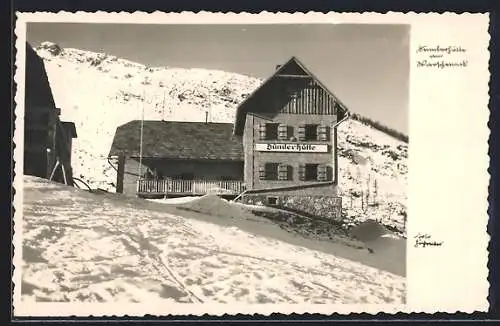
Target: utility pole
x=141, y=137
x=163, y=107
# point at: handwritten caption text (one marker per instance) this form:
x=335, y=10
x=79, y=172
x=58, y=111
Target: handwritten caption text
x=423, y=240
x=441, y=57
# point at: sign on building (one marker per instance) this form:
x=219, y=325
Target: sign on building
x=285, y=147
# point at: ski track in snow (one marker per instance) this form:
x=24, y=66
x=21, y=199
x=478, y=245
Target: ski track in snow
x=81, y=247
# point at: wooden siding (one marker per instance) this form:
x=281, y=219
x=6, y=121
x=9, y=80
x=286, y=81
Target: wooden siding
x=302, y=96
x=292, y=89
x=309, y=98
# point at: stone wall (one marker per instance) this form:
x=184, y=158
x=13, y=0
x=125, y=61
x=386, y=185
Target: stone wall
x=326, y=207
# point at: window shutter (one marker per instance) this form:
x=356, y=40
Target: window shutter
x=302, y=132
x=283, y=172
x=302, y=172
x=262, y=131
x=322, y=172
x=262, y=173
x=282, y=132
x=322, y=132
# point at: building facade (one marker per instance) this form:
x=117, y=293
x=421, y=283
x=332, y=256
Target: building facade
x=289, y=133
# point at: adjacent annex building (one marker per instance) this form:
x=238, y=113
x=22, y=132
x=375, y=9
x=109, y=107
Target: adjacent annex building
x=47, y=139
x=177, y=159
x=281, y=149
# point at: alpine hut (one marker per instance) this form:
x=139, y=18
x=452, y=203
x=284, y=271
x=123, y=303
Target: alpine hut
x=281, y=149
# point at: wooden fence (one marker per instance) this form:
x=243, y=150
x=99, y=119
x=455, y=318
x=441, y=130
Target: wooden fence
x=194, y=187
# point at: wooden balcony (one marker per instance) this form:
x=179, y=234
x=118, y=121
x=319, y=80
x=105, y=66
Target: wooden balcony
x=177, y=187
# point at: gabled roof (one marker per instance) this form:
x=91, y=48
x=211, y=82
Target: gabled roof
x=38, y=93
x=178, y=140
x=70, y=128
x=292, y=63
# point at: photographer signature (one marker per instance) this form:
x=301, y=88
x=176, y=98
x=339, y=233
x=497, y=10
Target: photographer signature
x=424, y=240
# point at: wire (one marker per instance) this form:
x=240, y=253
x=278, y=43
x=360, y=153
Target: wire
x=80, y=180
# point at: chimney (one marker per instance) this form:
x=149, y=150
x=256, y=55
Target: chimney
x=206, y=116
x=278, y=67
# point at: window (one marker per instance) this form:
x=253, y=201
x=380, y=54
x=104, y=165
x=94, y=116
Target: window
x=308, y=132
x=275, y=171
x=311, y=132
x=269, y=171
x=272, y=200
x=313, y=172
x=269, y=131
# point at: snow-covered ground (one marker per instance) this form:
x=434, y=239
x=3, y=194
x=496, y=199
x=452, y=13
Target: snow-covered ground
x=100, y=92
x=176, y=200
x=87, y=247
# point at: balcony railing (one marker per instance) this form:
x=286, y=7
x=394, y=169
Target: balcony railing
x=189, y=187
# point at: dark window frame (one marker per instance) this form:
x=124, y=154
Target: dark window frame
x=311, y=172
x=272, y=131
x=311, y=132
x=272, y=200
x=271, y=171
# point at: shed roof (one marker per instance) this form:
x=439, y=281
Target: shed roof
x=70, y=128
x=294, y=65
x=178, y=140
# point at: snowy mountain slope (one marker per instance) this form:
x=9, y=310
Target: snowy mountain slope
x=372, y=175
x=100, y=92
x=102, y=248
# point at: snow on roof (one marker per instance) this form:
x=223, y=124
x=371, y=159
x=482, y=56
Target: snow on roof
x=178, y=140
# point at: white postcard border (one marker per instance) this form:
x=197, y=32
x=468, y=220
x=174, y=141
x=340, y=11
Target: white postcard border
x=447, y=197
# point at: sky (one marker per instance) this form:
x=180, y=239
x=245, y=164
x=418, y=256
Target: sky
x=365, y=66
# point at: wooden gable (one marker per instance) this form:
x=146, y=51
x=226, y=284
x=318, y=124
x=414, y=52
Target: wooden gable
x=292, y=68
x=292, y=89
